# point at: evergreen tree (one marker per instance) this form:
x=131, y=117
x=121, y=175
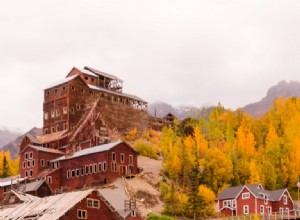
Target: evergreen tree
x=5, y=167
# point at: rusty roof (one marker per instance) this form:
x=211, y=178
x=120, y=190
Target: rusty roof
x=51, y=137
x=60, y=82
x=48, y=150
x=98, y=72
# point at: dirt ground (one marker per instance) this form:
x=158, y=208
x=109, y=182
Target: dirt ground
x=145, y=186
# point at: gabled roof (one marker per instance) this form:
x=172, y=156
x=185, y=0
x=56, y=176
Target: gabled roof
x=60, y=82
x=52, y=207
x=91, y=150
x=24, y=197
x=33, y=186
x=87, y=72
x=32, y=138
x=98, y=72
x=44, y=149
x=256, y=189
x=116, y=196
x=116, y=93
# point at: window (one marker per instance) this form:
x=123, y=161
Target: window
x=285, y=199
x=245, y=195
x=104, y=167
x=261, y=209
x=95, y=168
x=53, y=129
x=52, y=114
x=122, y=158
x=82, y=90
x=281, y=211
x=24, y=164
x=91, y=168
x=26, y=156
x=72, y=127
x=48, y=163
x=266, y=199
x=30, y=172
x=86, y=78
x=86, y=170
x=57, y=112
x=73, y=88
x=114, y=166
x=46, y=131
x=65, y=110
x=233, y=203
x=287, y=211
x=28, y=164
x=77, y=106
x=42, y=162
x=73, y=173
x=33, y=163
x=133, y=213
x=57, y=128
x=270, y=210
x=49, y=179
x=68, y=174
x=93, y=203
x=65, y=126
x=82, y=171
x=100, y=167
x=77, y=172
x=130, y=159
x=26, y=173
x=46, y=115
x=4, y=189
x=30, y=155
x=72, y=110
x=113, y=155
x=227, y=203
x=81, y=214
x=246, y=209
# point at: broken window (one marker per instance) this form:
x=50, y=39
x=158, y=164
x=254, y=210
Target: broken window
x=122, y=158
x=77, y=106
x=49, y=179
x=81, y=214
x=104, y=166
x=77, y=172
x=113, y=154
x=95, y=168
x=100, y=167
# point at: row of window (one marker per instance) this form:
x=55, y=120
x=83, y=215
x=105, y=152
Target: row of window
x=262, y=210
x=55, y=113
x=28, y=164
x=28, y=155
x=88, y=169
x=93, y=203
x=56, y=128
x=28, y=173
x=122, y=157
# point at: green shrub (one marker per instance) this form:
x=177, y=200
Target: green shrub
x=153, y=216
x=146, y=149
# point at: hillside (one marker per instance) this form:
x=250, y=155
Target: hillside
x=7, y=135
x=13, y=146
x=283, y=89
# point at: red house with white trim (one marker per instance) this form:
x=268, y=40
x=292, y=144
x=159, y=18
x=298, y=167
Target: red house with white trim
x=254, y=199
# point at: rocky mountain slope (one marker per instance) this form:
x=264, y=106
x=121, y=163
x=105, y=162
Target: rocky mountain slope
x=283, y=89
x=7, y=135
x=13, y=146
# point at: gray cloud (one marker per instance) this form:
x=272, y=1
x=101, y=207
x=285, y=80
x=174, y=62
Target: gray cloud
x=181, y=52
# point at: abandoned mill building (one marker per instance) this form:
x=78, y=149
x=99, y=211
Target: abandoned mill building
x=84, y=115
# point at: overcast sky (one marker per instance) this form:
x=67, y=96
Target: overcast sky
x=181, y=52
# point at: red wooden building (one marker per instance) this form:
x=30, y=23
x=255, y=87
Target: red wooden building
x=105, y=204
x=254, y=199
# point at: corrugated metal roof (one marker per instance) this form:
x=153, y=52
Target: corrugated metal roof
x=116, y=196
x=57, y=83
x=10, y=180
x=98, y=72
x=33, y=186
x=91, y=150
x=116, y=93
x=24, y=197
x=87, y=72
x=48, y=208
x=49, y=150
x=33, y=138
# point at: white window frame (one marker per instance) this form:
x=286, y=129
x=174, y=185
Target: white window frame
x=246, y=209
x=104, y=168
x=234, y=203
x=130, y=159
x=262, y=209
x=86, y=169
x=33, y=163
x=30, y=155
x=93, y=203
x=81, y=211
x=26, y=156
x=100, y=167
x=269, y=210
x=246, y=195
x=46, y=116
x=287, y=211
x=265, y=199
x=24, y=164
x=42, y=162
x=65, y=110
x=68, y=174
x=122, y=158
x=57, y=112
x=281, y=211
x=52, y=114
x=113, y=156
x=285, y=199
x=227, y=203
x=95, y=168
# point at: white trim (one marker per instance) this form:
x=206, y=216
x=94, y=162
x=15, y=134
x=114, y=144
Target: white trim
x=244, y=206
